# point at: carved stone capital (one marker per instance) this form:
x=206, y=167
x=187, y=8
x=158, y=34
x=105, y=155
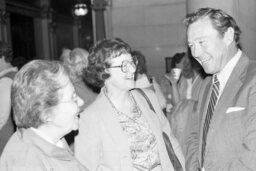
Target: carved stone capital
x=100, y=4
x=46, y=12
x=52, y=26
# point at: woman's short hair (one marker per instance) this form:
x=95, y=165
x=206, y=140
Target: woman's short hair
x=98, y=60
x=220, y=20
x=35, y=90
x=76, y=61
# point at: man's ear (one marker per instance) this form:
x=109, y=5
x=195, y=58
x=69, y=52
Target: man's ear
x=229, y=36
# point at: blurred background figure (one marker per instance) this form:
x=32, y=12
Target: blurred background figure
x=184, y=91
x=119, y=131
x=46, y=108
x=7, y=72
x=143, y=80
x=19, y=61
x=76, y=61
x=169, y=83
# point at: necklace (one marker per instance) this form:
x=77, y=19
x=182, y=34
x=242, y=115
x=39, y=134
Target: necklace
x=135, y=111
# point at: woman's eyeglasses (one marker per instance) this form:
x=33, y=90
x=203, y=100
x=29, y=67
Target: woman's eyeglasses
x=126, y=66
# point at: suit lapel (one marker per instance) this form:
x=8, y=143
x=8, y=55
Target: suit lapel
x=203, y=109
x=227, y=98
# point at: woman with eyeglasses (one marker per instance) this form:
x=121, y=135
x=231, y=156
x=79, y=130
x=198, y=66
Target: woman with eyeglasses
x=46, y=108
x=118, y=131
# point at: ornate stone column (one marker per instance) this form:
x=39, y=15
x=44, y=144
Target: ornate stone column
x=99, y=18
x=244, y=14
x=77, y=35
x=4, y=19
x=44, y=31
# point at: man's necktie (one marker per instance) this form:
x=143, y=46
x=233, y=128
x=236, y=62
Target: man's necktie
x=210, y=110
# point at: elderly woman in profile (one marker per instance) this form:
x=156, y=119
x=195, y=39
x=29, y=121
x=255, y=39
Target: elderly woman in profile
x=46, y=108
x=118, y=131
x=76, y=61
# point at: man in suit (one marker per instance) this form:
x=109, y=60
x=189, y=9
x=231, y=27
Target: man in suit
x=223, y=134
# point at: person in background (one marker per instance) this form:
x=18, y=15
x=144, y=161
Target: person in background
x=223, y=136
x=187, y=91
x=7, y=72
x=76, y=61
x=46, y=108
x=143, y=80
x=169, y=84
x=119, y=131
x=19, y=61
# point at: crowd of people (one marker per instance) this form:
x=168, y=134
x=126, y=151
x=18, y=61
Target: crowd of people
x=100, y=110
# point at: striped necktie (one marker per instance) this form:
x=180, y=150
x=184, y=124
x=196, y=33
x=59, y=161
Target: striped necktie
x=210, y=111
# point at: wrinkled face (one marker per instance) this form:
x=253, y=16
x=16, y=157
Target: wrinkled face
x=207, y=46
x=65, y=114
x=121, y=72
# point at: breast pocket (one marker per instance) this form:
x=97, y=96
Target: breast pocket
x=232, y=127
x=234, y=115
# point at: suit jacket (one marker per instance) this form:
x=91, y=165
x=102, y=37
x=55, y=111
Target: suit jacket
x=27, y=151
x=102, y=144
x=231, y=138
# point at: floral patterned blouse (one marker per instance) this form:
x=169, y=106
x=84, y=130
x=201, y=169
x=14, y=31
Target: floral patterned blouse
x=143, y=146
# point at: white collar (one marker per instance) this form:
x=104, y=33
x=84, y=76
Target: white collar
x=47, y=138
x=225, y=73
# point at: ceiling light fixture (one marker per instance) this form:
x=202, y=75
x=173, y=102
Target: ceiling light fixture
x=80, y=9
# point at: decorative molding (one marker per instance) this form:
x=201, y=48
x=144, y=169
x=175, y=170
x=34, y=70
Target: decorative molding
x=19, y=8
x=46, y=12
x=53, y=26
x=3, y=16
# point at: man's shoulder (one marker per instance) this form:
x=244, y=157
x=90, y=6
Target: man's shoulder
x=250, y=69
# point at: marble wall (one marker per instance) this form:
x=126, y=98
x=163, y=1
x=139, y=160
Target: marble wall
x=152, y=26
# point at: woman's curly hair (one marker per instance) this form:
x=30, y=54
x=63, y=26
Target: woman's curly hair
x=98, y=60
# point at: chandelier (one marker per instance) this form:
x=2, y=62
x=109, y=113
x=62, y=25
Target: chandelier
x=80, y=9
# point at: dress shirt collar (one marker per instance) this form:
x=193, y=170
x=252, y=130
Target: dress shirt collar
x=225, y=73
